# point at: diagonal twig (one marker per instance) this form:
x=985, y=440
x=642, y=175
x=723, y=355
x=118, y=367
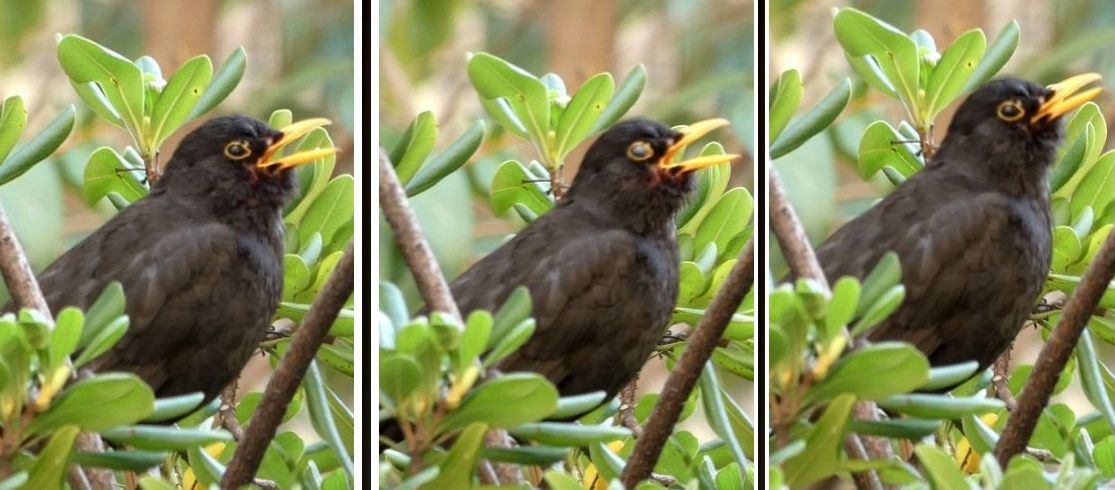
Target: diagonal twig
x=684, y=376
x=26, y=294
x=803, y=263
x=284, y=383
x=1055, y=354
x=434, y=290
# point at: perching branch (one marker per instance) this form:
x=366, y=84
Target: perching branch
x=803, y=263
x=284, y=383
x=1055, y=353
x=433, y=288
x=688, y=369
x=26, y=294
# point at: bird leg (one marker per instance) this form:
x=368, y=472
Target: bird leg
x=226, y=416
x=627, y=408
x=1000, y=374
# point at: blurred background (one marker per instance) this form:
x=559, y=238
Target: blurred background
x=299, y=57
x=1057, y=39
x=698, y=55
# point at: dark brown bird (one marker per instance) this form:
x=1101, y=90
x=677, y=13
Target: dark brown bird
x=972, y=230
x=199, y=258
x=602, y=266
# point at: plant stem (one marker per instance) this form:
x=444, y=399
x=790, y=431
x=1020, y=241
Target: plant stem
x=684, y=377
x=284, y=383
x=1055, y=354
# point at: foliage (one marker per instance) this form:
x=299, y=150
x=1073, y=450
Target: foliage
x=815, y=386
x=430, y=367
x=41, y=405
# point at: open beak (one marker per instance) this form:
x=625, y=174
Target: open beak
x=691, y=133
x=1066, y=96
x=290, y=134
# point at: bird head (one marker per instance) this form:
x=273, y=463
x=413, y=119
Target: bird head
x=636, y=158
x=241, y=151
x=1021, y=112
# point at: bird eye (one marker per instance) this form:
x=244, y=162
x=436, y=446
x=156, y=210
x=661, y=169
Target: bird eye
x=640, y=151
x=1011, y=110
x=238, y=150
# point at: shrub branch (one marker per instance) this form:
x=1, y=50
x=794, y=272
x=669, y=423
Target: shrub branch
x=284, y=383
x=26, y=294
x=803, y=263
x=434, y=290
x=684, y=376
x=1055, y=354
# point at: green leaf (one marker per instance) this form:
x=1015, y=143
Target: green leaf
x=121, y=460
x=66, y=335
x=882, y=278
x=331, y=211
x=319, y=174
x=997, y=56
x=904, y=428
x=577, y=405
x=1097, y=188
x=582, y=112
x=881, y=146
x=495, y=78
x=880, y=310
x=951, y=74
x=106, y=172
x=206, y=468
x=939, y=406
x=164, y=438
x=816, y=120
x=39, y=147
x=105, y=339
x=842, y=306
x=505, y=402
x=172, y=407
x=514, y=184
x=860, y=34
x=226, y=79
x=727, y=220
x=710, y=185
x=478, y=329
x=120, y=80
x=716, y=413
x=339, y=356
x=785, y=97
x=526, y=455
x=103, y=401
x=321, y=417
x=508, y=344
x=179, y=97
x=459, y=465
x=951, y=375
x=821, y=455
x=562, y=434
x=1092, y=380
x=510, y=315
x=942, y=470
x=626, y=94
x=104, y=311
x=501, y=111
x=906, y=369
x=248, y=404
x=50, y=465
x=441, y=165
x=13, y=118
x=417, y=143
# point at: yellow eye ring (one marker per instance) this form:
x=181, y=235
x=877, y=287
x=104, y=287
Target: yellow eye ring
x=1010, y=110
x=640, y=151
x=238, y=150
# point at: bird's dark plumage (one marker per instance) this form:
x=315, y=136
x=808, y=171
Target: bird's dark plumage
x=972, y=230
x=199, y=258
x=601, y=267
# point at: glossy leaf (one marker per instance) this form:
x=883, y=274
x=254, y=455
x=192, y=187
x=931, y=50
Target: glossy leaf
x=441, y=165
x=50, y=465
x=179, y=97
x=814, y=121
x=785, y=96
x=514, y=184
x=97, y=403
x=997, y=56
x=951, y=74
x=625, y=96
x=13, y=119
x=119, y=79
x=503, y=402
x=224, y=81
x=582, y=112
x=106, y=172
x=39, y=147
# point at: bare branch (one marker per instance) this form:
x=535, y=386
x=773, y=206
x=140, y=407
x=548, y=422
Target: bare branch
x=1055, y=354
x=284, y=383
x=684, y=376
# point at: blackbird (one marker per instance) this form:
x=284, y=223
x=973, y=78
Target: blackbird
x=602, y=266
x=972, y=230
x=199, y=258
